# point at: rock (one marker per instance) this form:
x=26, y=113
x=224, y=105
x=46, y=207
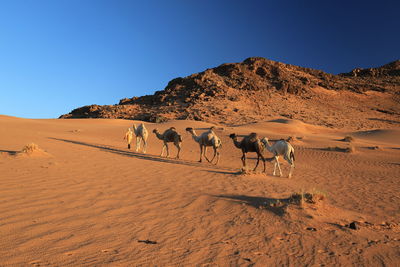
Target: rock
x=311, y=229
x=354, y=225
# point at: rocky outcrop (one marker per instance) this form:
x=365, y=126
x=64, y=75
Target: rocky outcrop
x=388, y=70
x=252, y=91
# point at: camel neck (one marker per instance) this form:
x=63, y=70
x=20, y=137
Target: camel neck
x=159, y=136
x=267, y=144
x=195, y=136
x=236, y=143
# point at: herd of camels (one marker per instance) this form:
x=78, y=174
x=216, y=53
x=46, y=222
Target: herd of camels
x=249, y=143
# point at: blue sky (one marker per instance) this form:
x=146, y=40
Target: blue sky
x=57, y=55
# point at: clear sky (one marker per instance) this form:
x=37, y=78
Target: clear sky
x=57, y=55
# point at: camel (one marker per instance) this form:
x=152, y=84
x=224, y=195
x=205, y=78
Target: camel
x=141, y=135
x=281, y=148
x=170, y=135
x=250, y=143
x=208, y=138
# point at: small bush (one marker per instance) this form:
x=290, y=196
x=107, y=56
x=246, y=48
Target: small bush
x=307, y=197
x=29, y=148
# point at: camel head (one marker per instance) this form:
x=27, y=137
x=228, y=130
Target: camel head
x=213, y=128
x=155, y=131
x=233, y=136
x=264, y=141
x=189, y=129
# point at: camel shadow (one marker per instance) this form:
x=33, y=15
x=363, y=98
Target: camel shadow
x=275, y=205
x=10, y=152
x=120, y=152
x=237, y=172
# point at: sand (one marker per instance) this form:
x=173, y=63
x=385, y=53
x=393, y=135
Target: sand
x=84, y=199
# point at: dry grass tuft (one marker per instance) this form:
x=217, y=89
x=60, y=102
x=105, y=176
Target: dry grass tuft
x=312, y=197
x=30, y=148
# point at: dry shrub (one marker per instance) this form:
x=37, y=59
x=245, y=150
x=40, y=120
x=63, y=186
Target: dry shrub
x=312, y=197
x=30, y=148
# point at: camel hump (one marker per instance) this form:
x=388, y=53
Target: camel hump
x=170, y=134
x=253, y=137
x=173, y=129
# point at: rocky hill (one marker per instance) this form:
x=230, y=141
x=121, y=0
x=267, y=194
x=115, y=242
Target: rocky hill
x=258, y=89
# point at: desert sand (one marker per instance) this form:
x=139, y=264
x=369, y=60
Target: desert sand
x=83, y=199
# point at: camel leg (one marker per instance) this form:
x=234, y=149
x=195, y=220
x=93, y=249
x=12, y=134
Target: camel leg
x=205, y=154
x=178, y=146
x=279, y=166
x=162, y=150
x=244, y=160
x=144, y=146
x=258, y=161
x=291, y=168
x=137, y=144
x=215, y=154
x=217, y=157
x=166, y=145
x=276, y=160
x=263, y=159
x=201, y=153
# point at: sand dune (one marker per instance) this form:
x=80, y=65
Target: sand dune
x=92, y=202
x=390, y=136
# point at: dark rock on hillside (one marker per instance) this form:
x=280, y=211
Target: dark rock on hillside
x=391, y=69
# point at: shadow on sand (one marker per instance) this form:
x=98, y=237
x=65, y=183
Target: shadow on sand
x=383, y=120
x=121, y=152
x=275, y=205
x=10, y=152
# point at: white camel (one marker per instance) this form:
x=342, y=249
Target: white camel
x=208, y=138
x=281, y=148
x=141, y=135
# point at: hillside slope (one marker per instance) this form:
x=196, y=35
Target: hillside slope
x=258, y=89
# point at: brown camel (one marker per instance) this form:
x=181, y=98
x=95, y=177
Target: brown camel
x=169, y=136
x=250, y=143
